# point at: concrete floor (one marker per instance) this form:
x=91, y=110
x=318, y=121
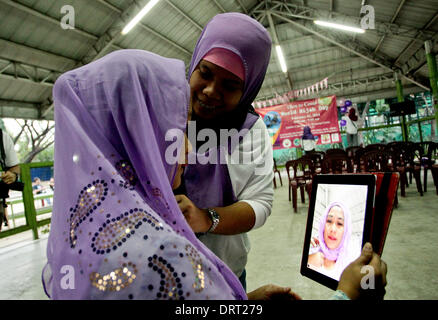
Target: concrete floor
x=276, y=252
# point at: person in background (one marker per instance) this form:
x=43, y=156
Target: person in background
x=351, y=128
x=225, y=200
x=308, y=140
x=10, y=173
x=37, y=186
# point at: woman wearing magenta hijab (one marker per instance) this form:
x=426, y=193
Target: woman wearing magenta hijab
x=224, y=198
x=333, y=241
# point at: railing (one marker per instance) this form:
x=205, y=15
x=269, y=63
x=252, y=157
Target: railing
x=28, y=199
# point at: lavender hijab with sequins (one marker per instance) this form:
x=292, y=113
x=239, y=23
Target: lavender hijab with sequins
x=116, y=230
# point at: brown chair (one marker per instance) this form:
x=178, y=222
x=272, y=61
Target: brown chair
x=375, y=146
x=335, y=150
x=351, y=154
x=435, y=176
x=427, y=158
x=336, y=163
x=316, y=157
x=279, y=175
x=403, y=155
x=412, y=156
x=302, y=178
x=376, y=161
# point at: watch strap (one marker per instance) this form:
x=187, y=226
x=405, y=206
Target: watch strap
x=214, y=216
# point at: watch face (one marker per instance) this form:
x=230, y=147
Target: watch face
x=214, y=218
x=214, y=215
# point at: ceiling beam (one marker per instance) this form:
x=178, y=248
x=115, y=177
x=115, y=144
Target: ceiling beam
x=307, y=53
x=340, y=88
x=113, y=34
x=343, y=76
x=277, y=43
x=13, y=51
x=18, y=71
x=412, y=42
x=52, y=20
x=356, y=48
x=109, y=5
x=242, y=6
x=418, y=59
x=330, y=63
x=219, y=6
x=185, y=15
x=402, y=2
x=19, y=110
x=307, y=13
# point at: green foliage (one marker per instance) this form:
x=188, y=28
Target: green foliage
x=45, y=155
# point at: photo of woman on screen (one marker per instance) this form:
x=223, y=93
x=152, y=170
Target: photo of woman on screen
x=329, y=254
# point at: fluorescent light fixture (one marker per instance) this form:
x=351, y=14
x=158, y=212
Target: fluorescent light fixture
x=338, y=26
x=281, y=58
x=139, y=16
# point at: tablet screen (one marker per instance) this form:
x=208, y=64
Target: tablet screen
x=336, y=226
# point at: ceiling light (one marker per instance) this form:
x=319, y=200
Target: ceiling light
x=139, y=16
x=281, y=58
x=339, y=26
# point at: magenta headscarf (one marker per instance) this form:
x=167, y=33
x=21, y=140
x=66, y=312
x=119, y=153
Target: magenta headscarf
x=340, y=252
x=116, y=230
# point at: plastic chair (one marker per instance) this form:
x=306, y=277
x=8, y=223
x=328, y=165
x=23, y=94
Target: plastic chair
x=302, y=178
x=336, y=163
x=427, y=158
x=335, y=150
x=279, y=175
x=375, y=146
x=376, y=161
x=351, y=154
x=316, y=157
x=435, y=176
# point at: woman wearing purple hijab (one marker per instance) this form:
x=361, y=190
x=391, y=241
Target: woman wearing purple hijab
x=333, y=239
x=223, y=199
x=308, y=140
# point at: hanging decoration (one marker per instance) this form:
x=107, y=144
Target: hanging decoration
x=314, y=88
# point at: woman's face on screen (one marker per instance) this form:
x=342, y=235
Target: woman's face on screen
x=334, y=228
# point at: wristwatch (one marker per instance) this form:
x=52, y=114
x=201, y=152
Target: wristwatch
x=214, y=216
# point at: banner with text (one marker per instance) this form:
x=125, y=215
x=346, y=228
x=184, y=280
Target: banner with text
x=285, y=122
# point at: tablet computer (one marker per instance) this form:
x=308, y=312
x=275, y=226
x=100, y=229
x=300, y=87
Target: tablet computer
x=338, y=224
